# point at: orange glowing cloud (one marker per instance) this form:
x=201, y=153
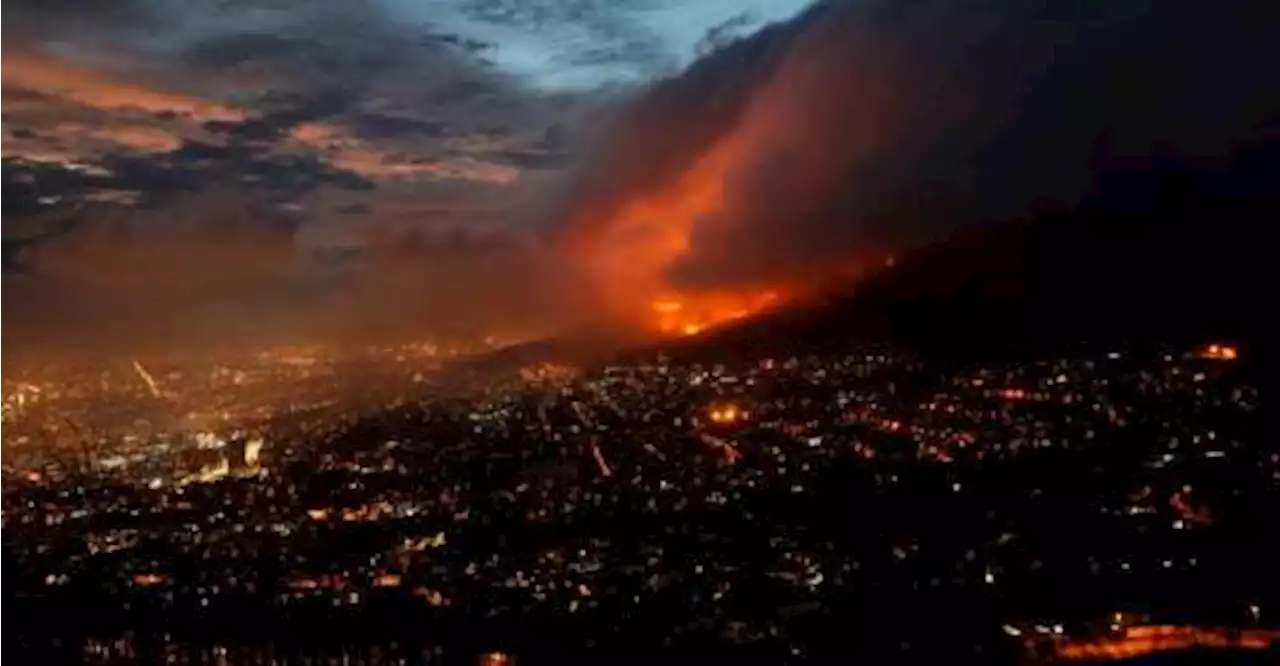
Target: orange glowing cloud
x=350, y=153
x=632, y=256
x=714, y=243
x=56, y=78
x=141, y=138
x=66, y=142
x=630, y=259
x=635, y=250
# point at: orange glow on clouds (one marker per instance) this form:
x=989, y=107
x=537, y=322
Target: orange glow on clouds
x=649, y=234
x=56, y=78
x=720, y=195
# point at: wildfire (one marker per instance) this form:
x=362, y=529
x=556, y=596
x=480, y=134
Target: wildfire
x=725, y=414
x=691, y=315
x=1220, y=352
x=1144, y=640
x=630, y=255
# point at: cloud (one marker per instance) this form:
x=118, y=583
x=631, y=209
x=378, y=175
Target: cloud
x=585, y=45
x=218, y=269
x=347, y=152
x=862, y=127
x=255, y=72
x=69, y=141
x=60, y=112
x=186, y=174
x=810, y=136
x=57, y=79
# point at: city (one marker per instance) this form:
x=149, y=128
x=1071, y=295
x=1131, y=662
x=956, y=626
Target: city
x=652, y=332
x=1073, y=508
x=95, y=413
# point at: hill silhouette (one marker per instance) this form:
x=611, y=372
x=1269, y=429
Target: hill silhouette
x=1164, y=253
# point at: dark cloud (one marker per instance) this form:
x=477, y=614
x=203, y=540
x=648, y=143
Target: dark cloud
x=178, y=172
x=21, y=195
x=361, y=69
x=535, y=160
x=473, y=45
x=145, y=140
x=865, y=126
x=168, y=130
x=281, y=113
x=27, y=184
x=644, y=147
x=382, y=125
x=340, y=50
x=724, y=34
x=26, y=17
x=353, y=209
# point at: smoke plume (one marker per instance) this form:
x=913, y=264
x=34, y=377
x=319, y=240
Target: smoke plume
x=819, y=146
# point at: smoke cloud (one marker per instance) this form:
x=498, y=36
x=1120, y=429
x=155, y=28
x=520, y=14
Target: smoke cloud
x=801, y=153
x=862, y=127
x=232, y=174
x=219, y=270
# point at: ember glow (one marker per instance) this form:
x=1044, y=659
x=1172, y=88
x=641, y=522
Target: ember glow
x=691, y=314
x=725, y=414
x=1140, y=641
x=1220, y=352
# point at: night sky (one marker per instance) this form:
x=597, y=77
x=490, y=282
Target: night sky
x=199, y=171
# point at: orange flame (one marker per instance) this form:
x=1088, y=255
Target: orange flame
x=1144, y=640
x=691, y=314
x=726, y=414
x=1220, y=352
x=649, y=234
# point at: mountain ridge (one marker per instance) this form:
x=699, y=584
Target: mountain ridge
x=1164, y=256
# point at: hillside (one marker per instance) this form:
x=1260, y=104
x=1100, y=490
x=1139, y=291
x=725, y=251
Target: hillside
x=1183, y=266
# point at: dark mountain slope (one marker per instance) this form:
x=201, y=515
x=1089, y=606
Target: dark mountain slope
x=1163, y=254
